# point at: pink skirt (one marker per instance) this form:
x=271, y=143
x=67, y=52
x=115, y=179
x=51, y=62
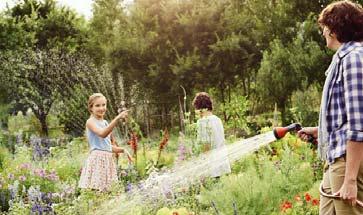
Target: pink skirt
x=99, y=171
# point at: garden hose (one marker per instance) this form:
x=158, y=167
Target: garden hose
x=335, y=196
x=280, y=132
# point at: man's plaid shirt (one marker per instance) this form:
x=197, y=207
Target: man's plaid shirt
x=344, y=115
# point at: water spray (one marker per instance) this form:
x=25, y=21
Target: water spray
x=161, y=186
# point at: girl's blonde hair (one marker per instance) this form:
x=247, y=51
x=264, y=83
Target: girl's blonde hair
x=92, y=98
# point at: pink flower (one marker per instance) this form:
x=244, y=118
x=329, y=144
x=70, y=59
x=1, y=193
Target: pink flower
x=25, y=166
x=52, y=176
x=40, y=172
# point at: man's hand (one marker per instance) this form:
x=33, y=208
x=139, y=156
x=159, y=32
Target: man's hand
x=306, y=132
x=354, y=158
x=348, y=192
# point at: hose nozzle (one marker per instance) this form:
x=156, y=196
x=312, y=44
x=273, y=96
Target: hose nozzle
x=280, y=132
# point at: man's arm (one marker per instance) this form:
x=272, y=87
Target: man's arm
x=354, y=158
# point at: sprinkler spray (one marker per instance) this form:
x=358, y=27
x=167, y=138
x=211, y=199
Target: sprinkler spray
x=280, y=132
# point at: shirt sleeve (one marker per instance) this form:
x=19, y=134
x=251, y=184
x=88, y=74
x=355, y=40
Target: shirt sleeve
x=353, y=95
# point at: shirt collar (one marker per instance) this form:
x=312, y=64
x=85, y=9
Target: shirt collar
x=345, y=48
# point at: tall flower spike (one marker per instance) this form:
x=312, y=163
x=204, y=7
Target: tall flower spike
x=133, y=141
x=164, y=140
x=163, y=143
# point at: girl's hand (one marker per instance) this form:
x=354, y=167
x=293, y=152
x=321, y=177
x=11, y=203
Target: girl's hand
x=117, y=149
x=123, y=114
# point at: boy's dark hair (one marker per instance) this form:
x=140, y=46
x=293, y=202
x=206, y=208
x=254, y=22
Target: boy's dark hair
x=202, y=101
x=345, y=19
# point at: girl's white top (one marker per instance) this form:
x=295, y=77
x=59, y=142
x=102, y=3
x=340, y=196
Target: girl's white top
x=210, y=130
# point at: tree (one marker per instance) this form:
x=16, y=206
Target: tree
x=108, y=16
x=36, y=27
x=165, y=44
x=291, y=67
x=42, y=24
x=41, y=78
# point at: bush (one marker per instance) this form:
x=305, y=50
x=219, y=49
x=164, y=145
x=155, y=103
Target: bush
x=29, y=125
x=306, y=106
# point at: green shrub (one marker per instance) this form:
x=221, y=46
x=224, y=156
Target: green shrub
x=28, y=125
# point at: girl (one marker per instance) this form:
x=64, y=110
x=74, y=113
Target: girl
x=211, y=135
x=99, y=171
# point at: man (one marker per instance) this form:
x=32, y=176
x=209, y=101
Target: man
x=340, y=131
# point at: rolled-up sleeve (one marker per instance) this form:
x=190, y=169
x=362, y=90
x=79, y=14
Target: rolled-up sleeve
x=353, y=95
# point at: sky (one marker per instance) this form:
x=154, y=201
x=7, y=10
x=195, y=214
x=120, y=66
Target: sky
x=83, y=7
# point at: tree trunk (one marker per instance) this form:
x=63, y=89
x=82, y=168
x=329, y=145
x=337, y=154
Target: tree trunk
x=44, y=126
x=181, y=116
x=162, y=116
x=171, y=119
x=222, y=88
x=41, y=115
x=282, y=108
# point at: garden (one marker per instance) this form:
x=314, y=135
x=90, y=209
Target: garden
x=40, y=176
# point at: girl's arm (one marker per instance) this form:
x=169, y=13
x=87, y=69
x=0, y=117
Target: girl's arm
x=115, y=147
x=113, y=140
x=104, y=132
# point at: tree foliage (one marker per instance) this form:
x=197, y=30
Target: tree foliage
x=263, y=50
x=48, y=24
x=286, y=68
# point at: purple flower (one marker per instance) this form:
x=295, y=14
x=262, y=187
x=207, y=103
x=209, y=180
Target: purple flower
x=182, y=152
x=11, y=176
x=40, y=172
x=128, y=187
x=52, y=176
x=37, y=208
x=22, y=178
